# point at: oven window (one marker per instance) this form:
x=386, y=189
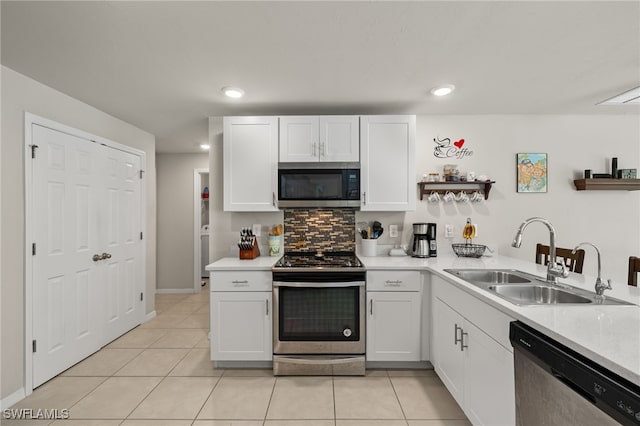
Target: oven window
x=319, y=314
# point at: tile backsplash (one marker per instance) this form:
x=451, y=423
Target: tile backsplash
x=319, y=230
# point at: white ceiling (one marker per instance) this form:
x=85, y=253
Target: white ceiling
x=160, y=65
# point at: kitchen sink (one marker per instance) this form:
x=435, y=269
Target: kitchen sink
x=495, y=276
x=522, y=288
x=536, y=294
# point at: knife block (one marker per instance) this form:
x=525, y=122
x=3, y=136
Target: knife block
x=251, y=253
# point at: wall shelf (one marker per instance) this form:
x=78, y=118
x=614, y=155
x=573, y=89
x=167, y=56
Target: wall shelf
x=441, y=187
x=607, y=184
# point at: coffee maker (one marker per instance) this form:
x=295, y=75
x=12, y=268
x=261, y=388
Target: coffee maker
x=424, y=240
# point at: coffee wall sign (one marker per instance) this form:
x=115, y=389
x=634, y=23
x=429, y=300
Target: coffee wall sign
x=446, y=149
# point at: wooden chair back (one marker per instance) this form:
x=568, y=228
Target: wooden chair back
x=572, y=261
x=634, y=268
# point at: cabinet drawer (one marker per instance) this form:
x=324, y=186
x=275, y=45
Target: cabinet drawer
x=241, y=281
x=393, y=281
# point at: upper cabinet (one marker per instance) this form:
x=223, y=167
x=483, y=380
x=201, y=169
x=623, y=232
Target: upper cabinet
x=329, y=138
x=387, y=163
x=250, y=152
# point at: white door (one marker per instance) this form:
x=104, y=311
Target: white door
x=340, y=138
x=120, y=222
x=70, y=298
x=393, y=326
x=299, y=139
x=388, y=163
x=250, y=150
x=241, y=326
x=448, y=358
x=489, y=386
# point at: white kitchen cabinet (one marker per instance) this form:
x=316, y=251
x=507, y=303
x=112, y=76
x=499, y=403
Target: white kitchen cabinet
x=393, y=316
x=387, y=162
x=476, y=369
x=241, y=316
x=331, y=138
x=250, y=152
x=447, y=357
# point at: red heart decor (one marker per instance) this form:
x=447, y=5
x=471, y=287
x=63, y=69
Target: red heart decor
x=459, y=143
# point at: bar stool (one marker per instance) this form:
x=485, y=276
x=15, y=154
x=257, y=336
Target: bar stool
x=634, y=268
x=572, y=261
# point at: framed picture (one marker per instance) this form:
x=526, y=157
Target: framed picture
x=531, y=172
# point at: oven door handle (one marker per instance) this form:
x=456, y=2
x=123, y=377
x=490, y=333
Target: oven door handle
x=317, y=284
x=331, y=361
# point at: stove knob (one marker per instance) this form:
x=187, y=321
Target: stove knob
x=287, y=264
x=346, y=332
x=348, y=263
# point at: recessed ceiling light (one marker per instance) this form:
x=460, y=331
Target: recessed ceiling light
x=233, y=92
x=205, y=146
x=443, y=90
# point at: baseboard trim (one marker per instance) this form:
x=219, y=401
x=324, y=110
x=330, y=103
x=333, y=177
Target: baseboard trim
x=9, y=400
x=174, y=291
x=151, y=315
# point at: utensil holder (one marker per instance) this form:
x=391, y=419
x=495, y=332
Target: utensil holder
x=251, y=253
x=369, y=248
x=274, y=245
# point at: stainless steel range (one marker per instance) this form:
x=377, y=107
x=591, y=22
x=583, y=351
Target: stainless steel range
x=319, y=314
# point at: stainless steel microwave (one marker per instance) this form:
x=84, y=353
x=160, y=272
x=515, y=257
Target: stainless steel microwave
x=311, y=187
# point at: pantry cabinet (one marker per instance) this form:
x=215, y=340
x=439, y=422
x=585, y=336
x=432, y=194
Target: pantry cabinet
x=250, y=164
x=393, y=316
x=387, y=162
x=476, y=369
x=309, y=139
x=241, y=316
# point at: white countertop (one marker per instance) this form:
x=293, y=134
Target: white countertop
x=260, y=263
x=608, y=335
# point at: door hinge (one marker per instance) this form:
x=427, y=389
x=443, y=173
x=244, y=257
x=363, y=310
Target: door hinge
x=33, y=249
x=140, y=235
x=33, y=345
x=33, y=150
x=141, y=172
x=141, y=297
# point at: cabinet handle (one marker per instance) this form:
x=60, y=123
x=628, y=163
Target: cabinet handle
x=371, y=307
x=390, y=283
x=313, y=149
x=364, y=198
x=462, y=345
x=321, y=149
x=243, y=283
x=266, y=304
x=455, y=335
x=273, y=199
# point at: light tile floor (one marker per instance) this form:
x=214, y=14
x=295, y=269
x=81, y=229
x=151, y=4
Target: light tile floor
x=160, y=374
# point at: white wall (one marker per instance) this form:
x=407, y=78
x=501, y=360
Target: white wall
x=609, y=219
x=21, y=94
x=224, y=227
x=175, y=219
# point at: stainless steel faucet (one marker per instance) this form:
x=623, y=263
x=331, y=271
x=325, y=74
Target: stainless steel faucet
x=600, y=286
x=554, y=269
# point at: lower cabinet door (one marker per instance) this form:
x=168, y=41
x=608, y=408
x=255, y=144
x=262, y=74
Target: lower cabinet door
x=448, y=358
x=489, y=390
x=393, y=326
x=241, y=326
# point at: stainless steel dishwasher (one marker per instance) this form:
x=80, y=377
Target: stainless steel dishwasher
x=557, y=386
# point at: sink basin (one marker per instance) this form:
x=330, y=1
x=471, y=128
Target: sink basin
x=522, y=288
x=536, y=294
x=494, y=276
